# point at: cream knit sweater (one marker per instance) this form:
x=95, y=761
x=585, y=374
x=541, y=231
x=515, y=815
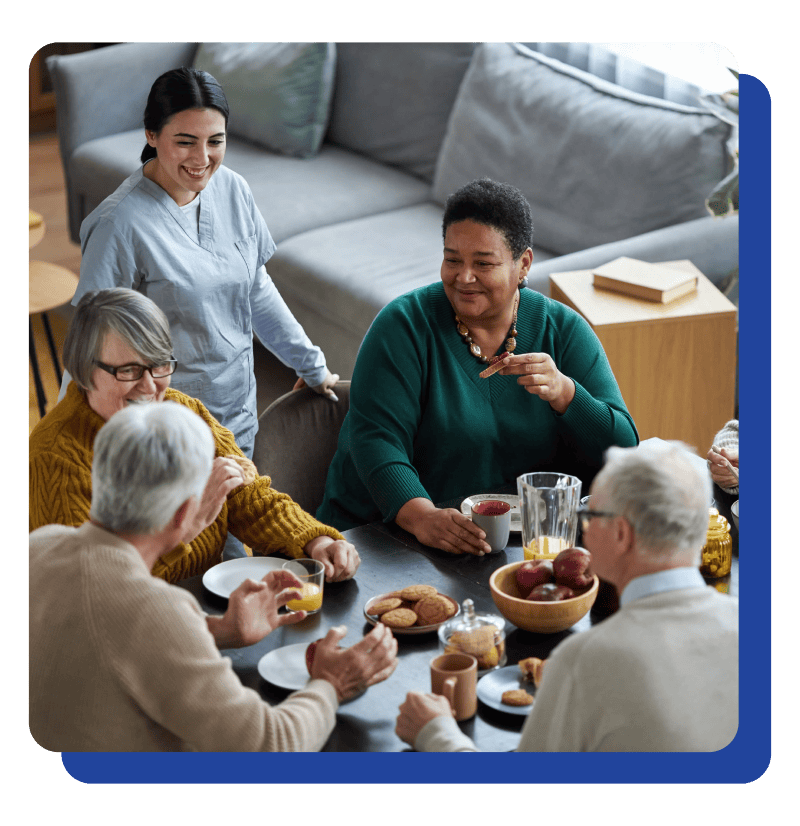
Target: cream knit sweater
x=122, y=661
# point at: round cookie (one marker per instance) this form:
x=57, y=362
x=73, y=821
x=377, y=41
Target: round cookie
x=516, y=697
x=399, y=618
x=413, y=593
x=434, y=609
x=385, y=605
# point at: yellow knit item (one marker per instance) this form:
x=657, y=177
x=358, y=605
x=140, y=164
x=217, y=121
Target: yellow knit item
x=61, y=491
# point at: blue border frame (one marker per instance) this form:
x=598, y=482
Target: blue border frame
x=743, y=761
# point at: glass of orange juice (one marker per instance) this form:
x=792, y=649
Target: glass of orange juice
x=311, y=574
x=548, y=505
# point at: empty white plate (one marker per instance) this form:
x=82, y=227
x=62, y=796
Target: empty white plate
x=225, y=578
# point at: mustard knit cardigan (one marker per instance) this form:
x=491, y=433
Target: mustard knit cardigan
x=61, y=447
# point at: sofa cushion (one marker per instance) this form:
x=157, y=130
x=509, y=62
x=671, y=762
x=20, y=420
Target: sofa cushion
x=392, y=100
x=279, y=93
x=293, y=194
x=598, y=163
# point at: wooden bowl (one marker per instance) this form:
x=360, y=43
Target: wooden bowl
x=540, y=617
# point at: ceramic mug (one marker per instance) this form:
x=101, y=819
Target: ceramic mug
x=493, y=517
x=455, y=676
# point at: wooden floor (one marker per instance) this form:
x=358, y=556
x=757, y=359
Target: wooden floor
x=48, y=198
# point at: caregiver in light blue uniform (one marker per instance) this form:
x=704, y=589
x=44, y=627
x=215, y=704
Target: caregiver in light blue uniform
x=185, y=231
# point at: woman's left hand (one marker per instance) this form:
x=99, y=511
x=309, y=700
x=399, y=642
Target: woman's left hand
x=539, y=375
x=324, y=389
x=340, y=558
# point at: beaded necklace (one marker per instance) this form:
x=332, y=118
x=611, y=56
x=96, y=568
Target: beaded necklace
x=474, y=348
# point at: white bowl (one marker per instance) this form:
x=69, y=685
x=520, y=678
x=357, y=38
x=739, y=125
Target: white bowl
x=735, y=513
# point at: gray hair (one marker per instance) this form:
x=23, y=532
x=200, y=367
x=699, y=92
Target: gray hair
x=663, y=495
x=148, y=460
x=134, y=317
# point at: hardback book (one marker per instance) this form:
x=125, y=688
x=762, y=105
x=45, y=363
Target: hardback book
x=641, y=279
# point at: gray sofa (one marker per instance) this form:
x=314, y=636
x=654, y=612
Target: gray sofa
x=351, y=149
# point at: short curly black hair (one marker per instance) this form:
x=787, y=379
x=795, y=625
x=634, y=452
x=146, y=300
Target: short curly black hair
x=497, y=205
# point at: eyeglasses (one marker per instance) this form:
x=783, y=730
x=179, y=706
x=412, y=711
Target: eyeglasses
x=587, y=514
x=133, y=372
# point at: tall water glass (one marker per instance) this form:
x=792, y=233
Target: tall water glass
x=548, y=504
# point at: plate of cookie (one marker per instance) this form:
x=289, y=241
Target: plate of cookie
x=506, y=690
x=516, y=518
x=413, y=609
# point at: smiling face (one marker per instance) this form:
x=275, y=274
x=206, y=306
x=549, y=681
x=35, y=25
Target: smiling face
x=109, y=395
x=190, y=147
x=479, y=273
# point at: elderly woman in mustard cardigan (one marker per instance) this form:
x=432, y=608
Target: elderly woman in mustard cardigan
x=118, y=351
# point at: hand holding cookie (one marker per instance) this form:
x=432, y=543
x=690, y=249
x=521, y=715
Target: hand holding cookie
x=539, y=375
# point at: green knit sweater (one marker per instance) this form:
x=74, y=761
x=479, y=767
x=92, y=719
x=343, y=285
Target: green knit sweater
x=422, y=423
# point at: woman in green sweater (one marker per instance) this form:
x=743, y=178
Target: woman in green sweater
x=424, y=427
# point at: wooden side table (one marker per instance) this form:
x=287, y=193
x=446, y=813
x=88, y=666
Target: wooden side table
x=49, y=286
x=675, y=363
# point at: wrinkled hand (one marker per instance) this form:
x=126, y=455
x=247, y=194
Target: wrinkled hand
x=444, y=528
x=340, y=558
x=226, y=475
x=324, y=389
x=352, y=670
x=539, y=375
x=417, y=711
x=253, y=610
x=722, y=466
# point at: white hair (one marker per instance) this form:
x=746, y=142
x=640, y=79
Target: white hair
x=148, y=460
x=663, y=495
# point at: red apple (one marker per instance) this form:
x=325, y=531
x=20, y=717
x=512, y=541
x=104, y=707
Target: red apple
x=572, y=568
x=550, y=592
x=533, y=573
x=310, y=651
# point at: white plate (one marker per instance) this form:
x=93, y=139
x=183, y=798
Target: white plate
x=285, y=667
x=415, y=629
x=492, y=685
x=225, y=578
x=516, y=519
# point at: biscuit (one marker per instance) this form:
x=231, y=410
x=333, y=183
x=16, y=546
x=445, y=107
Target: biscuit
x=495, y=364
x=435, y=609
x=399, y=618
x=248, y=468
x=476, y=642
x=384, y=605
x=516, y=697
x=490, y=659
x=417, y=592
x=531, y=669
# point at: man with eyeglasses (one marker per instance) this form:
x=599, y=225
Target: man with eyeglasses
x=118, y=350
x=662, y=673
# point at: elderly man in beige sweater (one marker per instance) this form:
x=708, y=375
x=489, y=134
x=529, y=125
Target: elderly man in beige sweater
x=123, y=661
x=662, y=674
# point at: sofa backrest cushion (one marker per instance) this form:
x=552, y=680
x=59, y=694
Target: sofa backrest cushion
x=279, y=93
x=392, y=100
x=598, y=163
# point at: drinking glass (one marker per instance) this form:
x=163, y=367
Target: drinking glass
x=548, y=504
x=311, y=574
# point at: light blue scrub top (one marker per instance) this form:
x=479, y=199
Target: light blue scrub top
x=210, y=281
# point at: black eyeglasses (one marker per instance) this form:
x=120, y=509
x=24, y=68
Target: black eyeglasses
x=133, y=372
x=587, y=514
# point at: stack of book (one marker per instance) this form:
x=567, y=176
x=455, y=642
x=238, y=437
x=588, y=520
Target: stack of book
x=653, y=282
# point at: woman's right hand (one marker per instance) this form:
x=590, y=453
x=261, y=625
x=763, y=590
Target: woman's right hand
x=225, y=476
x=444, y=528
